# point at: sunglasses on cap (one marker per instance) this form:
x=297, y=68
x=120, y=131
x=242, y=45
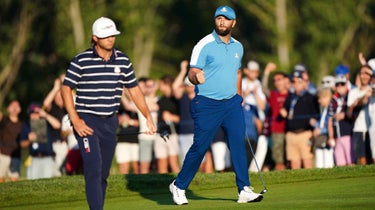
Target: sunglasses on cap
x=340, y=84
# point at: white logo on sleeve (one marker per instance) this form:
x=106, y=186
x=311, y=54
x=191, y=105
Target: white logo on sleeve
x=236, y=55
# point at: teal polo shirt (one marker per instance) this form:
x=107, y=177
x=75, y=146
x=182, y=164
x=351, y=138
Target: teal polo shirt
x=220, y=62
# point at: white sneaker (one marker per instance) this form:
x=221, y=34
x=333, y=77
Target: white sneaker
x=247, y=195
x=178, y=195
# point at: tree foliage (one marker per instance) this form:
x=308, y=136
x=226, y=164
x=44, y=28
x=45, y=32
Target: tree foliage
x=40, y=37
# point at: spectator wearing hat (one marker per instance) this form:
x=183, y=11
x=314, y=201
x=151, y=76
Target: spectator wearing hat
x=323, y=151
x=372, y=112
x=54, y=105
x=371, y=63
x=344, y=70
x=340, y=126
x=299, y=108
x=310, y=87
x=328, y=81
x=358, y=102
x=254, y=109
x=276, y=98
x=251, y=86
x=36, y=134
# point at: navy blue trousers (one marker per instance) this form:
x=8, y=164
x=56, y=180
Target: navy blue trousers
x=209, y=115
x=97, y=157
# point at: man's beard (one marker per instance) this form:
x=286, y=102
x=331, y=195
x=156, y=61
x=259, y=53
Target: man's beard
x=222, y=32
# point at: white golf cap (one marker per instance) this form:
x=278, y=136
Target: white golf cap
x=104, y=27
x=371, y=63
x=253, y=65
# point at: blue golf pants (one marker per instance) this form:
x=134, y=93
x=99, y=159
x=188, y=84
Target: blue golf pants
x=209, y=115
x=97, y=154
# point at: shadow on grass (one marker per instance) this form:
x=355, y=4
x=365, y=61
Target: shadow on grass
x=155, y=187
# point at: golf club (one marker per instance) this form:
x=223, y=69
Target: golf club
x=256, y=163
x=164, y=134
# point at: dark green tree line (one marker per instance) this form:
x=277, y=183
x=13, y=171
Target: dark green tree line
x=40, y=37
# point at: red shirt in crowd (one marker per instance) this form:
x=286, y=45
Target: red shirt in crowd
x=276, y=101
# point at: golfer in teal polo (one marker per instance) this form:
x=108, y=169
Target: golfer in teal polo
x=215, y=71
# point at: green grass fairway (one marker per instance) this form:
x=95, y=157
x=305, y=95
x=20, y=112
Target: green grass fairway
x=338, y=188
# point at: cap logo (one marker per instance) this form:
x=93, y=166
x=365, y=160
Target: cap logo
x=107, y=27
x=224, y=9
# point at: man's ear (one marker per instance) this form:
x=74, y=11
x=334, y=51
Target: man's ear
x=234, y=23
x=95, y=38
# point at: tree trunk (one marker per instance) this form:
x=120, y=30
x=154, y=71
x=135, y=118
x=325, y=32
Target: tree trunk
x=11, y=69
x=281, y=24
x=78, y=30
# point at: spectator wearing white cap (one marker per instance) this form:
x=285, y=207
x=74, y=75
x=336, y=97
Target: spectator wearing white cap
x=252, y=88
x=372, y=110
x=340, y=126
x=328, y=81
x=254, y=107
x=358, y=102
x=371, y=63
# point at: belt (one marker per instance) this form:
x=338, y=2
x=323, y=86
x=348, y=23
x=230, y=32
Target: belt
x=106, y=116
x=41, y=155
x=299, y=131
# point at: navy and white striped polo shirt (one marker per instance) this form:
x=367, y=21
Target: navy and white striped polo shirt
x=99, y=84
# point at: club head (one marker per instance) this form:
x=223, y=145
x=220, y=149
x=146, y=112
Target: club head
x=165, y=135
x=263, y=191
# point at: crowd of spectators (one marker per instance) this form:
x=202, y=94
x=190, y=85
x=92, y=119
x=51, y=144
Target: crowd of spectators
x=290, y=124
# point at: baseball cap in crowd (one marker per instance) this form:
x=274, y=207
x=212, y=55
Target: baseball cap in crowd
x=340, y=79
x=33, y=107
x=371, y=63
x=226, y=12
x=341, y=70
x=297, y=74
x=328, y=81
x=253, y=65
x=104, y=27
x=300, y=67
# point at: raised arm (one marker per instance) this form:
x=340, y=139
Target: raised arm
x=47, y=103
x=270, y=67
x=178, y=84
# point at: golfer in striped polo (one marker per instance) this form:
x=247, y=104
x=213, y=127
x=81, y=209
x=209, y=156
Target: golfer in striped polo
x=99, y=76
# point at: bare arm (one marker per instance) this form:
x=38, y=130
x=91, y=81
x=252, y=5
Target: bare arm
x=362, y=58
x=270, y=67
x=126, y=102
x=261, y=102
x=47, y=103
x=178, y=84
x=331, y=139
x=139, y=100
x=78, y=124
x=55, y=123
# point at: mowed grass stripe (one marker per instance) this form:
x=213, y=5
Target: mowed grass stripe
x=338, y=188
